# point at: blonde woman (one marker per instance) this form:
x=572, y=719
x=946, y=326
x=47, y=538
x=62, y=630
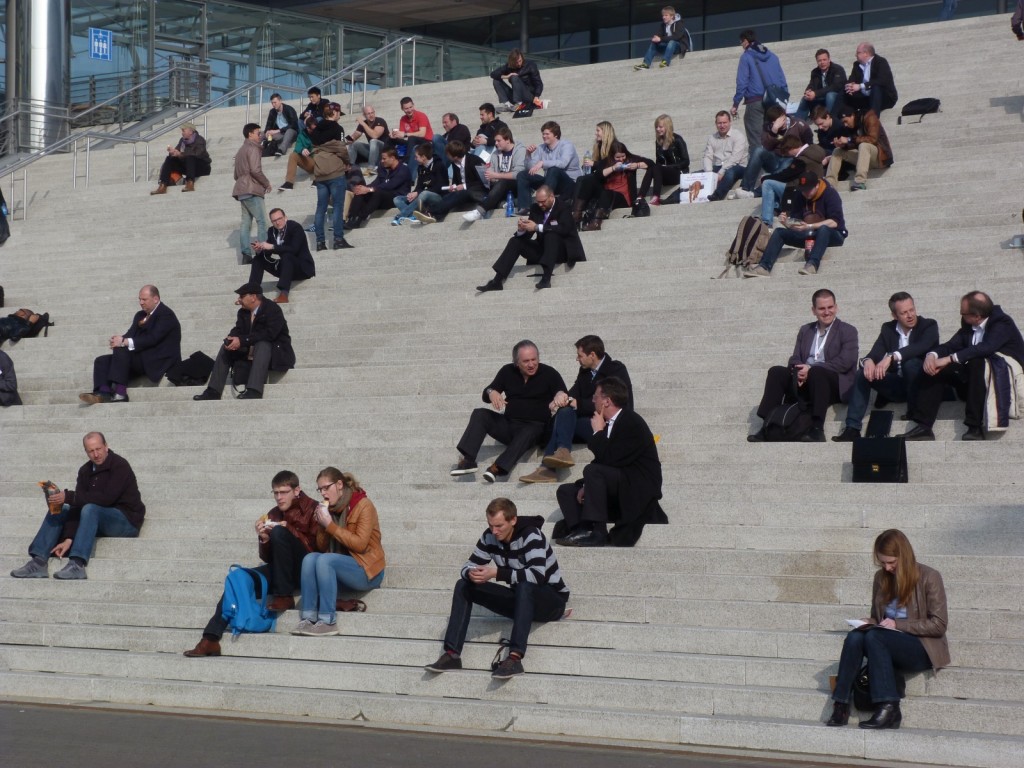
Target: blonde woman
x=671, y=159
x=909, y=597
x=589, y=185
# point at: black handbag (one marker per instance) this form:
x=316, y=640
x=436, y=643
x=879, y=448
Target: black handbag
x=880, y=460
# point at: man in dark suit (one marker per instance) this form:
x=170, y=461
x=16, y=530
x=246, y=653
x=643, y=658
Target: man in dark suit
x=823, y=365
x=623, y=482
x=258, y=343
x=556, y=241
x=466, y=185
x=893, y=365
x=871, y=85
x=519, y=397
x=573, y=409
x=285, y=254
x=150, y=346
x=985, y=330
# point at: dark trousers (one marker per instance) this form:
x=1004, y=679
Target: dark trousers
x=517, y=92
x=886, y=651
x=189, y=167
x=410, y=153
x=600, y=491
x=556, y=178
x=660, y=175
x=897, y=386
x=498, y=194
x=283, y=572
x=823, y=238
x=253, y=372
x=588, y=187
x=544, y=252
x=450, y=201
x=524, y=603
x=118, y=368
x=863, y=103
x=969, y=382
x=820, y=390
x=568, y=428
x=363, y=205
x=518, y=436
x=284, y=269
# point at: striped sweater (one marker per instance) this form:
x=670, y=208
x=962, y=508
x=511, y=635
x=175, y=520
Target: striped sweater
x=527, y=557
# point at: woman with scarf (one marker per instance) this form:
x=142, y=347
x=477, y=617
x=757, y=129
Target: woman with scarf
x=354, y=558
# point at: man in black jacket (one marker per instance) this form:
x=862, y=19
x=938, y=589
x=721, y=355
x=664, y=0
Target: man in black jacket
x=556, y=240
x=984, y=331
x=825, y=87
x=574, y=409
x=150, y=346
x=623, y=482
x=519, y=397
x=524, y=84
x=285, y=254
x=282, y=125
x=466, y=186
x=106, y=502
x=257, y=344
x=668, y=39
x=871, y=84
x=893, y=365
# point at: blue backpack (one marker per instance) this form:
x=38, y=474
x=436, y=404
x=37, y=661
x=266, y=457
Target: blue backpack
x=242, y=610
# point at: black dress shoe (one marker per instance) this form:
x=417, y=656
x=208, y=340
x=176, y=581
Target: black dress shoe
x=569, y=265
x=342, y=243
x=544, y=282
x=920, y=432
x=840, y=714
x=251, y=394
x=848, y=435
x=974, y=433
x=207, y=394
x=321, y=247
x=887, y=715
x=757, y=437
x=494, y=284
x=584, y=539
x=815, y=435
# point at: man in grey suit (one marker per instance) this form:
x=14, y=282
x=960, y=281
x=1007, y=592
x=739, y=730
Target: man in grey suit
x=822, y=367
x=893, y=364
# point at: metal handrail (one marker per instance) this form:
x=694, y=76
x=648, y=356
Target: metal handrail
x=175, y=67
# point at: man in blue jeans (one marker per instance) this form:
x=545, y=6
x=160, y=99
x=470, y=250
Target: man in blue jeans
x=817, y=218
x=515, y=551
x=105, y=502
x=669, y=39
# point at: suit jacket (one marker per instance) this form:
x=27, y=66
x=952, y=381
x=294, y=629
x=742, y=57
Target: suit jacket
x=585, y=385
x=631, y=449
x=294, y=246
x=8, y=382
x=473, y=181
x=157, y=342
x=271, y=326
x=562, y=226
x=1001, y=335
x=835, y=79
x=840, y=352
x=923, y=337
x=927, y=615
x=881, y=77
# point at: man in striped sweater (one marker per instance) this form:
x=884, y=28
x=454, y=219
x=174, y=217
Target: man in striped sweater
x=515, y=551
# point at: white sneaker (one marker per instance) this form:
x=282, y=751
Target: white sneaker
x=742, y=194
x=472, y=216
x=731, y=195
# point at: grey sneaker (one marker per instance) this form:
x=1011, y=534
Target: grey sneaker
x=757, y=271
x=445, y=663
x=807, y=269
x=510, y=667
x=320, y=629
x=303, y=628
x=743, y=194
x=33, y=569
x=71, y=571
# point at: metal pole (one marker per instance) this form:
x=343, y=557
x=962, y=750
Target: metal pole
x=74, y=168
x=12, y=62
x=24, y=192
x=413, y=61
x=88, y=147
x=524, y=25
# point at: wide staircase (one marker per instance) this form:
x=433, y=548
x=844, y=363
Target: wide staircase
x=718, y=630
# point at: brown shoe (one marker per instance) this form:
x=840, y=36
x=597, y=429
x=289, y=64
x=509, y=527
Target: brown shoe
x=540, y=475
x=560, y=459
x=92, y=398
x=282, y=298
x=190, y=186
x=204, y=648
x=160, y=190
x=280, y=603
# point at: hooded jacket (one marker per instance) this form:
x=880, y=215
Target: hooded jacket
x=749, y=85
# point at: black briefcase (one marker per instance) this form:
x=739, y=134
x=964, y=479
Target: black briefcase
x=880, y=460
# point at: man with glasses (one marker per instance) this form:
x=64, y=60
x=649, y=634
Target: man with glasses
x=286, y=534
x=285, y=254
x=985, y=332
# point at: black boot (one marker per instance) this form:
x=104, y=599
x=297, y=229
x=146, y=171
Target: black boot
x=840, y=713
x=887, y=715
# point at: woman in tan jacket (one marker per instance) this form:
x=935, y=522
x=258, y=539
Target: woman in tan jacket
x=909, y=597
x=353, y=557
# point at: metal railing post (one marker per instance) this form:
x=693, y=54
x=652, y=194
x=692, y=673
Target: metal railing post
x=413, y=61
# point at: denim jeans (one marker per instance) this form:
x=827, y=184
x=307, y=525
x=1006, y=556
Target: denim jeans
x=803, y=111
x=948, y=9
x=326, y=190
x=94, y=521
x=771, y=193
x=886, y=651
x=567, y=429
x=252, y=210
x=524, y=603
x=823, y=238
x=729, y=178
x=762, y=159
x=423, y=199
x=366, y=152
x=321, y=575
x=556, y=178
x=893, y=387
x=667, y=50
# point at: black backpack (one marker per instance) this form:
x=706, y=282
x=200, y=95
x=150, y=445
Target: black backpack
x=920, y=107
x=787, y=423
x=193, y=372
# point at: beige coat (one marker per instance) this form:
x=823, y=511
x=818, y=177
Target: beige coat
x=249, y=178
x=926, y=614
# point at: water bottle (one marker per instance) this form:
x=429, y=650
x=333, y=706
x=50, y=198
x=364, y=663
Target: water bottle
x=587, y=160
x=510, y=206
